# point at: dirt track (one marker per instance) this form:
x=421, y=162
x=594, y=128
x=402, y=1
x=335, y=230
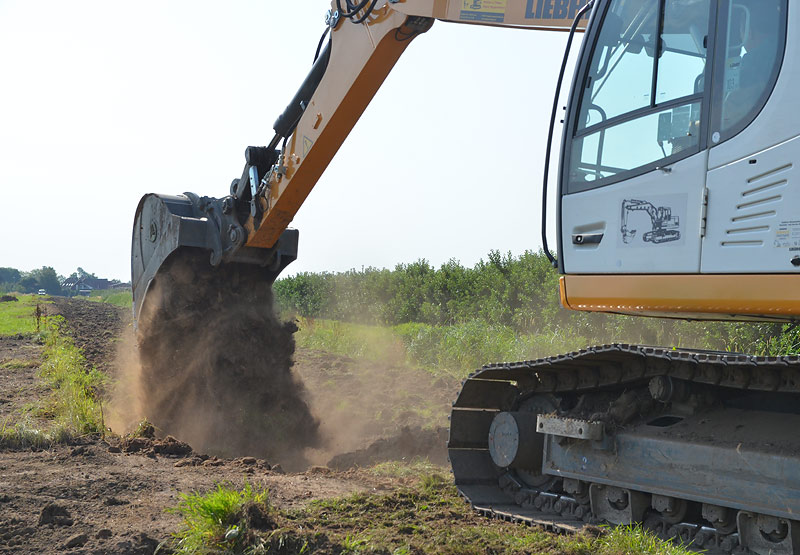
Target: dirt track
x=98, y=498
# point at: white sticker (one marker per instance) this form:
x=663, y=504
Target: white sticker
x=788, y=235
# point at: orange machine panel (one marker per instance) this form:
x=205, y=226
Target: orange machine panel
x=702, y=296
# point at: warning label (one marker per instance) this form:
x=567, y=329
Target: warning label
x=492, y=11
x=307, y=144
x=788, y=234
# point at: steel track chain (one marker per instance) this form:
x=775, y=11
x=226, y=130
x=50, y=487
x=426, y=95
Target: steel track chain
x=615, y=365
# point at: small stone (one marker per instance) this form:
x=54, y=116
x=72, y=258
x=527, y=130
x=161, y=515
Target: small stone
x=103, y=534
x=248, y=460
x=76, y=541
x=183, y=462
x=114, y=449
x=278, y=469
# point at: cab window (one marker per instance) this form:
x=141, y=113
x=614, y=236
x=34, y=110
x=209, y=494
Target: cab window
x=750, y=57
x=642, y=97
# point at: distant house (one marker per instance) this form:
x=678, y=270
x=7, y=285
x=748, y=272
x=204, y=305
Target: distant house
x=84, y=285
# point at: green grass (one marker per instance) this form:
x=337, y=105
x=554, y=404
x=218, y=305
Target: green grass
x=352, y=340
x=220, y=521
x=427, y=516
x=443, y=350
x=75, y=402
x=398, y=469
x=117, y=297
x=23, y=435
x=19, y=317
x=73, y=407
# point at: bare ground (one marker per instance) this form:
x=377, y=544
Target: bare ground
x=94, y=497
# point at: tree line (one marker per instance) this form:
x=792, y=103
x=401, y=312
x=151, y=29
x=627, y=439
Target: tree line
x=14, y=280
x=517, y=293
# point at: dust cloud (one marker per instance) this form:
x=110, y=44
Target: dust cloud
x=214, y=365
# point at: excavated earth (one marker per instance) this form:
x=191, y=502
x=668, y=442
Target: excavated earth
x=112, y=495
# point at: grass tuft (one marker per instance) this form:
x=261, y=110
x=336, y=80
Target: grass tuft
x=24, y=436
x=223, y=520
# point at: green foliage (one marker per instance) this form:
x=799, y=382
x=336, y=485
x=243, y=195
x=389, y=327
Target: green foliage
x=9, y=275
x=519, y=292
x=216, y=522
x=503, y=308
x=75, y=403
x=47, y=279
x=30, y=282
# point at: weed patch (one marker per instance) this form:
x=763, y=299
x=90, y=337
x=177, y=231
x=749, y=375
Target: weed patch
x=223, y=520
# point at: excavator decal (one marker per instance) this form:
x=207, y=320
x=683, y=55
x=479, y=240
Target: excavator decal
x=665, y=227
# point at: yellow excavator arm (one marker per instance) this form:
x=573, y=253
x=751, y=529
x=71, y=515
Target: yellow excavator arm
x=364, y=46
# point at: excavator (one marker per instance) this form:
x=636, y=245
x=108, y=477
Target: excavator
x=687, y=106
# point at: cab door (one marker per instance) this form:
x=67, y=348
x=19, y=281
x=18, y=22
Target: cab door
x=634, y=157
x=753, y=218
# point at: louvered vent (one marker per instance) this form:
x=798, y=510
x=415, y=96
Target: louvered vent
x=757, y=208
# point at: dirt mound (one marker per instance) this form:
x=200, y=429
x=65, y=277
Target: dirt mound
x=409, y=444
x=169, y=446
x=216, y=364
x=94, y=326
x=8, y=298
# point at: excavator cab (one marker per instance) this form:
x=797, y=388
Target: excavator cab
x=675, y=127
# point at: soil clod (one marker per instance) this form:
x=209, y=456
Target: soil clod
x=55, y=514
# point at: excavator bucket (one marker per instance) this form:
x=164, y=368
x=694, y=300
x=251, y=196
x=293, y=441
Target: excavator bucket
x=201, y=232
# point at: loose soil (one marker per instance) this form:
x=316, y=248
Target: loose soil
x=216, y=363
x=111, y=495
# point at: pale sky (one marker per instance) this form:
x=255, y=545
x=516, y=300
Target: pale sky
x=104, y=101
